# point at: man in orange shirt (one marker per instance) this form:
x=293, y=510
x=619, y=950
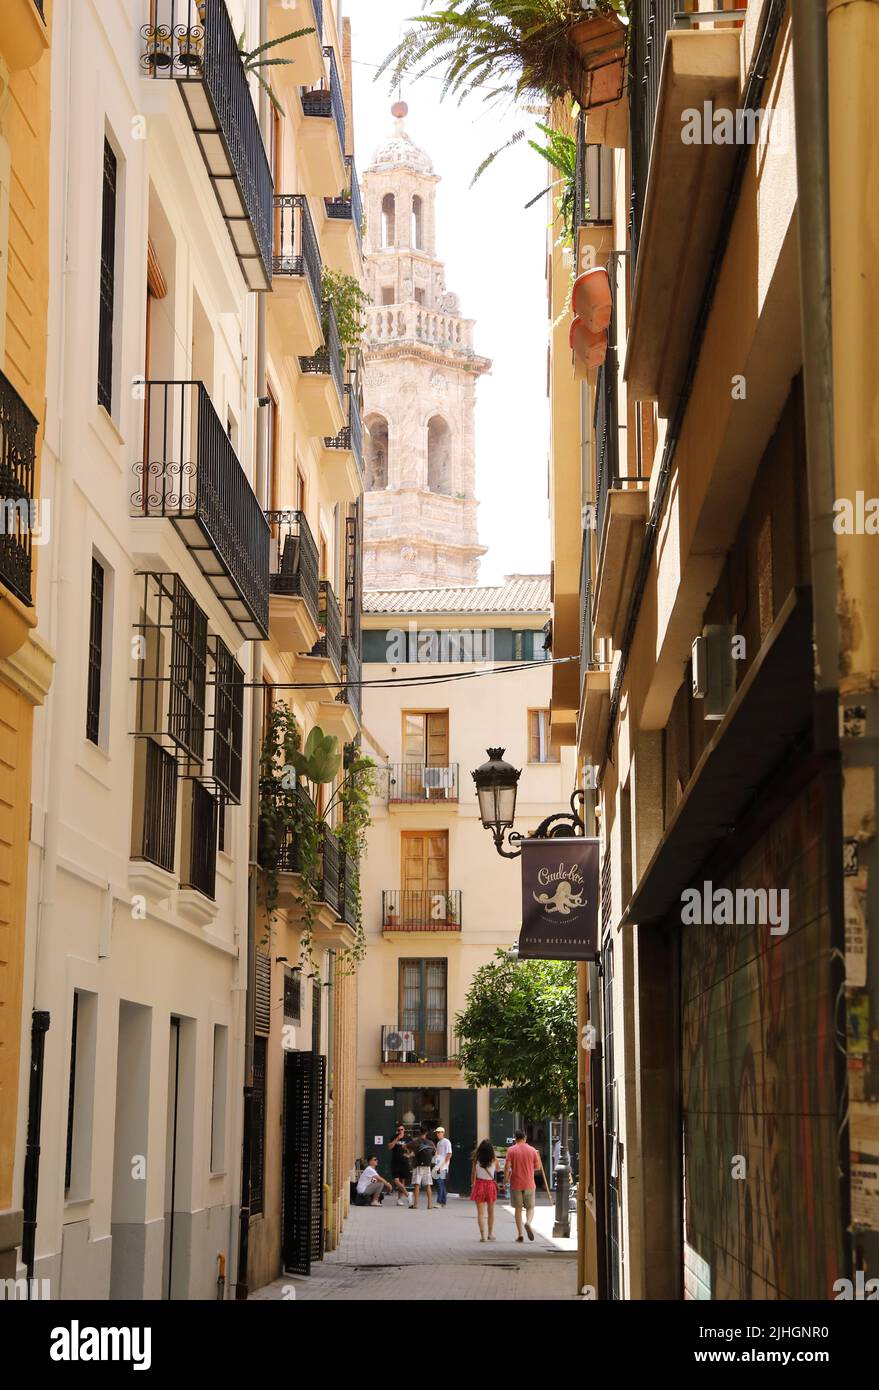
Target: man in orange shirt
x=520, y=1165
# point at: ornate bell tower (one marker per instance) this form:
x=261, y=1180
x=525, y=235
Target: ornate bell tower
x=419, y=385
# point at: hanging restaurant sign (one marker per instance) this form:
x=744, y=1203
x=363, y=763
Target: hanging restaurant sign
x=560, y=886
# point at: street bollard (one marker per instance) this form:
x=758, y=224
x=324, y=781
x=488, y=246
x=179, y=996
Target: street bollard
x=562, y=1174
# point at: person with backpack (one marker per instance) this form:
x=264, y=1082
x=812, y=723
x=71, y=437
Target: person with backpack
x=424, y=1149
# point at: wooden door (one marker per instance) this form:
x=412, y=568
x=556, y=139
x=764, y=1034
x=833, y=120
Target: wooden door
x=425, y=876
x=425, y=744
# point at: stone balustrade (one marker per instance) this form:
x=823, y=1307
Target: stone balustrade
x=413, y=322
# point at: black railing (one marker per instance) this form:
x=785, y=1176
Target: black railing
x=352, y=694
x=350, y=436
x=329, y=644
x=413, y=783
x=193, y=41
x=586, y=661
x=40, y=7
x=191, y=474
x=408, y=909
x=328, y=360
x=159, y=806
x=290, y=856
x=607, y=465
x=331, y=872
x=295, y=565
x=650, y=22
x=228, y=723
x=402, y=1046
x=318, y=7
x=327, y=100
x=297, y=252
x=350, y=890
x=593, y=196
x=349, y=205
x=203, y=842
x=18, y=452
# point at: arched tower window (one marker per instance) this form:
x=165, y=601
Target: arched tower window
x=418, y=223
x=439, y=456
x=375, y=463
x=389, y=220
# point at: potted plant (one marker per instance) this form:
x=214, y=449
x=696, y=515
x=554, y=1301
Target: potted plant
x=531, y=49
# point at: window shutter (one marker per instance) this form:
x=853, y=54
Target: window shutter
x=108, y=280
x=262, y=1017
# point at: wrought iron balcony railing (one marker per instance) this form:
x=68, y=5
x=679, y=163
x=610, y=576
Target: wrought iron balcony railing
x=327, y=100
x=203, y=842
x=297, y=251
x=193, y=43
x=607, y=463
x=350, y=890
x=419, y=1044
x=159, y=832
x=351, y=694
x=290, y=858
x=329, y=644
x=295, y=565
x=586, y=649
x=328, y=360
x=191, y=474
x=332, y=857
x=18, y=453
x=349, y=205
x=416, y=783
x=408, y=909
x=351, y=435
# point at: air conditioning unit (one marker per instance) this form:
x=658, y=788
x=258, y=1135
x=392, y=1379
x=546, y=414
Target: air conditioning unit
x=393, y=1042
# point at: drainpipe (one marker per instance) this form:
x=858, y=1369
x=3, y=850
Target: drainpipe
x=241, y=1285
x=39, y=1029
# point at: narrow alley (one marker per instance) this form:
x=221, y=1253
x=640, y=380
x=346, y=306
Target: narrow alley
x=392, y=1253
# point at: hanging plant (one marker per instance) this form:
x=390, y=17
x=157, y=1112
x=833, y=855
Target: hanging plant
x=353, y=797
x=350, y=302
x=254, y=62
x=560, y=151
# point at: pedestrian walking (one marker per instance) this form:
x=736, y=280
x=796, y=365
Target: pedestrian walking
x=401, y=1168
x=424, y=1149
x=371, y=1183
x=520, y=1166
x=441, y=1165
x=483, y=1188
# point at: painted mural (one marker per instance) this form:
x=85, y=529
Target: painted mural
x=761, y=1195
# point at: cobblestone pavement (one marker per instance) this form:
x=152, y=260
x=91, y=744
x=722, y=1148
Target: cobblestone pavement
x=391, y=1253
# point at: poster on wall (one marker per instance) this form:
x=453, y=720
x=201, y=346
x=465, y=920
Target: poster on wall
x=560, y=887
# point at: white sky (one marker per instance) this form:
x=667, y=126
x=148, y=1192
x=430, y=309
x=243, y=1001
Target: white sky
x=495, y=254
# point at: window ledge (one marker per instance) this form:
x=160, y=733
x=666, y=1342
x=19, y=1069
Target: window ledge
x=149, y=880
x=194, y=907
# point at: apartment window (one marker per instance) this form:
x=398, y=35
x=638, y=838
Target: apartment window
x=218, y=1099
x=108, y=280
x=539, y=749
x=228, y=722
x=201, y=811
x=258, y=1126
x=71, y=1098
x=273, y=430
x=96, y=652
x=189, y=655
x=424, y=1005
x=292, y=995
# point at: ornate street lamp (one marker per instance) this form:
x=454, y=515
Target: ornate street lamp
x=497, y=782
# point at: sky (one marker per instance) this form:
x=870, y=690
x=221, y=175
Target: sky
x=495, y=254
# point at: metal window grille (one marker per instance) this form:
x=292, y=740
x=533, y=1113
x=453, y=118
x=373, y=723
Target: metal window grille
x=188, y=687
x=96, y=651
x=228, y=722
x=18, y=440
x=108, y=279
x=258, y=1124
x=263, y=993
x=160, y=806
x=203, y=842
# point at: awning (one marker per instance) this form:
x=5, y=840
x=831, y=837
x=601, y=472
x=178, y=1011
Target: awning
x=771, y=709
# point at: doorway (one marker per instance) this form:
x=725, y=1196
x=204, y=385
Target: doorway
x=178, y=1159
x=302, y=1177
x=424, y=857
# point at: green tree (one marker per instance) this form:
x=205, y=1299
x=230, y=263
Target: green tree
x=519, y=1031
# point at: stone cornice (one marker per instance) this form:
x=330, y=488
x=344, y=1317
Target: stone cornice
x=30, y=669
x=471, y=363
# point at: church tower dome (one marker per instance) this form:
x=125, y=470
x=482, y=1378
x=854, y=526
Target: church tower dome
x=419, y=385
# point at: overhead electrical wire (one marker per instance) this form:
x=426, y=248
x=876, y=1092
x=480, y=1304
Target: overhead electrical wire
x=405, y=681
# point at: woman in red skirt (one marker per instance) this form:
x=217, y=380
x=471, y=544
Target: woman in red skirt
x=484, y=1188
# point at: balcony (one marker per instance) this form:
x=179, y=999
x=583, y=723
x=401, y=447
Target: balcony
x=329, y=644
x=343, y=226
x=192, y=476
x=284, y=19
x=678, y=188
x=322, y=382
x=154, y=836
x=593, y=204
x=18, y=452
x=621, y=510
x=418, y=1047
x=298, y=271
x=388, y=325
x=192, y=43
x=23, y=35
x=341, y=714
x=342, y=458
x=415, y=784
x=418, y=910
x=294, y=584
x=323, y=131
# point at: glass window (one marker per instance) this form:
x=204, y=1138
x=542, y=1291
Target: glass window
x=539, y=748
